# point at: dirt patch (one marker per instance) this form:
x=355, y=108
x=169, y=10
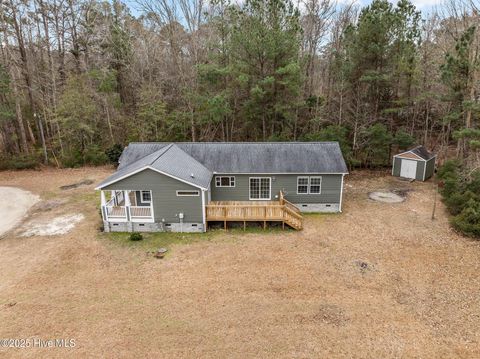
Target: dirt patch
x=86, y=182
x=49, y=205
x=51, y=227
x=15, y=205
x=386, y=197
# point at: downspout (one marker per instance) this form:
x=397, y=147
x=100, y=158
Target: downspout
x=203, y=211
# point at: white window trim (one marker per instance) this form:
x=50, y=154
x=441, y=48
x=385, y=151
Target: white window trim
x=218, y=181
x=141, y=197
x=309, y=184
x=197, y=193
x=260, y=199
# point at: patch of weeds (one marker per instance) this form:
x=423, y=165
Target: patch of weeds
x=90, y=196
x=135, y=236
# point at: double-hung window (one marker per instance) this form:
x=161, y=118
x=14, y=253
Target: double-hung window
x=225, y=181
x=309, y=185
x=302, y=185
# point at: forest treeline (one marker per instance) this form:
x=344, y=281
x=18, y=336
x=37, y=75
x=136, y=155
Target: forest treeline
x=79, y=79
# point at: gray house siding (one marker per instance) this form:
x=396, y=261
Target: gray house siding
x=330, y=190
x=166, y=204
x=430, y=170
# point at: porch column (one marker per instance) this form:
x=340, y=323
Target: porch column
x=127, y=204
x=103, y=202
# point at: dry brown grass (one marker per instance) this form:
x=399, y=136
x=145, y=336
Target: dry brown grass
x=378, y=281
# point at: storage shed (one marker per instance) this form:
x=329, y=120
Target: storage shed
x=417, y=163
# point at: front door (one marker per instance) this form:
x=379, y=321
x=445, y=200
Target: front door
x=408, y=169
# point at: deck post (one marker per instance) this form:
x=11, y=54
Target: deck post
x=225, y=217
x=264, y=218
x=244, y=217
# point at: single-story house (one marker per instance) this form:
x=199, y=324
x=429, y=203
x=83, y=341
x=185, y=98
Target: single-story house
x=184, y=186
x=417, y=163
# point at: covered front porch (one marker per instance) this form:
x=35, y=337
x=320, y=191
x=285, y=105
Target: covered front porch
x=127, y=206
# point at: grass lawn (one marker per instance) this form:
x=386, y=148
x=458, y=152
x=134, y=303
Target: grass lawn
x=376, y=281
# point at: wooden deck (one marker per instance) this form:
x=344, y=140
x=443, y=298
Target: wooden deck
x=255, y=211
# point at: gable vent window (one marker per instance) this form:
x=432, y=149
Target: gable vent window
x=188, y=193
x=309, y=185
x=225, y=181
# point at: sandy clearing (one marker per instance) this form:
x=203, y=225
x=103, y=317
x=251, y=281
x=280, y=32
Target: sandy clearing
x=15, y=204
x=52, y=227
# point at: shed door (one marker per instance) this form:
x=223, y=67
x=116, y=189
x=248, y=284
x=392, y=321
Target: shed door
x=408, y=169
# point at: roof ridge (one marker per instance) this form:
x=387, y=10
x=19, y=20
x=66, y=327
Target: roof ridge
x=162, y=151
x=239, y=143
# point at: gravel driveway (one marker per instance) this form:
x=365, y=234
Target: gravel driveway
x=15, y=204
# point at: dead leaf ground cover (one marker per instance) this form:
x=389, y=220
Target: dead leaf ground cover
x=379, y=280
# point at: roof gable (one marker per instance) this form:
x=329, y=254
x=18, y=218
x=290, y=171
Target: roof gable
x=420, y=152
x=168, y=160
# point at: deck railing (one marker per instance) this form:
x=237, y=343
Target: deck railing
x=246, y=211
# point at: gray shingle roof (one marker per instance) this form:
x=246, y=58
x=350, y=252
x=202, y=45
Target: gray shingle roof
x=422, y=152
x=251, y=157
x=169, y=159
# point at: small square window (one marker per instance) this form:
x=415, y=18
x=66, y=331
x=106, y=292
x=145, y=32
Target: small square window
x=146, y=196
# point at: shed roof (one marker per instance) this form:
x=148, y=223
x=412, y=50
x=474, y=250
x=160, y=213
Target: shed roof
x=169, y=160
x=252, y=157
x=421, y=152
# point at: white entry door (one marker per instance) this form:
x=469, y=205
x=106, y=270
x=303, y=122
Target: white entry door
x=408, y=169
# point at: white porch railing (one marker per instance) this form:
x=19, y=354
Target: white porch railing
x=141, y=213
x=116, y=213
x=118, y=209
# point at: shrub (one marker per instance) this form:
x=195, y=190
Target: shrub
x=20, y=162
x=92, y=155
x=468, y=221
x=136, y=236
x=113, y=153
x=403, y=139
x=72, y=159
x=461, y=194
x=95, y=156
